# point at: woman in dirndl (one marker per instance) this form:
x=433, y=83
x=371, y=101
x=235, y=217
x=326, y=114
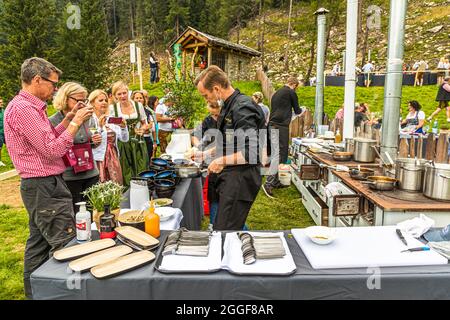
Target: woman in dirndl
x=133, y=154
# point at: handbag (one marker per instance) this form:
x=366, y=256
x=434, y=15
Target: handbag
x=80, y=156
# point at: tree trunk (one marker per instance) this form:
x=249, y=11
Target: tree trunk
x=311, y=59
x=286, y=54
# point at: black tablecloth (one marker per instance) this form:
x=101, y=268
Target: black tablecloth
x=53, y=280
x=188, y=197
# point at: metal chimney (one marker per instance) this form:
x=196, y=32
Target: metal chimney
x=350, y=74
x=394, y=77
x=321, y=43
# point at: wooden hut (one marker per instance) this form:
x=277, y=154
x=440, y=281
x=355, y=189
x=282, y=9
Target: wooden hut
x=200, y=50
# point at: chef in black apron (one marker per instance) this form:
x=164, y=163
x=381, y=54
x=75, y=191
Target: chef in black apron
x=237, y=159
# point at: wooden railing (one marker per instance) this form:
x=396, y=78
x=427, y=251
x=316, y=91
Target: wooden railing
x=267, y=88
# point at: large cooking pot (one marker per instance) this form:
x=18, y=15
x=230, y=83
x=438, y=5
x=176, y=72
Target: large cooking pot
x=363, y=150
x=409, y=173
x=437, y=181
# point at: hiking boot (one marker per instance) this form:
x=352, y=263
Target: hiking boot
x=268, y=190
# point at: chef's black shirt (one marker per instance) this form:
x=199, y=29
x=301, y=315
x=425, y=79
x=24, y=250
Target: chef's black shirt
x=283, y=101
x=240, y=114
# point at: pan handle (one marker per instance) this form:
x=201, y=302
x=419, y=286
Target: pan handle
x=442, y=176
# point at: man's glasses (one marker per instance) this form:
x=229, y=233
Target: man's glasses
x=84, y=101
x=54, y=83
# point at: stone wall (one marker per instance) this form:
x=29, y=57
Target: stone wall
x=238, y=67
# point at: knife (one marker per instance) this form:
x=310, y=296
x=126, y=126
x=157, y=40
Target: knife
x=400, y=235
x=417, y=249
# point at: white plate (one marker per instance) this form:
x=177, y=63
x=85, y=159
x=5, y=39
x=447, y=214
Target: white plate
x=165, y=213
x=321, y=235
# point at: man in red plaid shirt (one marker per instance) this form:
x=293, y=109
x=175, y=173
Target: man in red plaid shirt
x=36, y=150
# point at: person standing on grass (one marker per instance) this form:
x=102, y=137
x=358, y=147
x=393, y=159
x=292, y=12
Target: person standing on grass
x=36, y=150
x=368, y=68
x=165, y=119
x=443, y=97
x=153, y=62
x=283, y=102
x=2, y=133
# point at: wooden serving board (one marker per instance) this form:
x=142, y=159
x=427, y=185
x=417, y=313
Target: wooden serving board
x=98, y=258
x=137, y=236
x=122, y=264
x=81, y=250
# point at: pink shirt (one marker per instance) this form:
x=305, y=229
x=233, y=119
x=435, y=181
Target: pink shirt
x=340, y=114
x=36, y=149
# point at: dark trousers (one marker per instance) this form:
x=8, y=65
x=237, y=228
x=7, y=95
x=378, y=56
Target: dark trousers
x=153, y=73
x=2, y=142
x=51, y=221
x=238, y=187
x=76, y=187
x=283, y=143
x=149, y=143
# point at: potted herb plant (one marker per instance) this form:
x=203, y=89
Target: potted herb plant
x=104, y=193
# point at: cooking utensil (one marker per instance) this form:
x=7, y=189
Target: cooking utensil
x=361, y=173
x=164, y=188
x=189, y=171
x=380, y=183
x=437, y=181
x=342, y=156
x=363, y=150
x=379, y=156
x=410, y=173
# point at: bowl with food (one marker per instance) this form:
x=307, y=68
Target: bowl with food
x=321, y=235
x=133, y=218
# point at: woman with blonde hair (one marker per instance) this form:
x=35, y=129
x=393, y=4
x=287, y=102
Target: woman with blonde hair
x=107, y=153
x=70, y=97
x=133, y=154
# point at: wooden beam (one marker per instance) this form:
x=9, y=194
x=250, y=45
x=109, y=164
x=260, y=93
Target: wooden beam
x=209, y=56
x=195, y=45
x=184, y=64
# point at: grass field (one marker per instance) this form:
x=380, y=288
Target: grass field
x=283, y=213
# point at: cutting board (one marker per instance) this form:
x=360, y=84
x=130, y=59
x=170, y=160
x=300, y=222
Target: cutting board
x=363, y=247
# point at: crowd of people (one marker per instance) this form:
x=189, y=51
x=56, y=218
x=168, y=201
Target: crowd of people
x=414, y=121
x=112, y=135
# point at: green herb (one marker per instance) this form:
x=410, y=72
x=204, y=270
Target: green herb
x=105, y=193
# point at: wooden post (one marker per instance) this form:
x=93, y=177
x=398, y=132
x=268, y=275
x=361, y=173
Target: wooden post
x=139, y=64
x=412, y=147
x=431, y=147
x=403, y=148
x=420, y=148
x=442, y=149
x=209, y=56
x=183, y=68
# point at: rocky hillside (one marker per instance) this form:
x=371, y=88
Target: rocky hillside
x=427, y=36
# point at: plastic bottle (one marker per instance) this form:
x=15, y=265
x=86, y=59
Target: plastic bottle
x=338, y=137
x=107, y=224
x=83, y=223
x=435, y=129
x=152, y=226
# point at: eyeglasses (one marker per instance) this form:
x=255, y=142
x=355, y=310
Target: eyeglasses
x=85, y=101
x=54, y=83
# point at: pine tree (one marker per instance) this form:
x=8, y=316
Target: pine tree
x=83, y=53
x=27, y=27
x=178, y=17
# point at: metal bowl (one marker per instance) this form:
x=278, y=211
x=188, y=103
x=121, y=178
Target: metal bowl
x=342, y=155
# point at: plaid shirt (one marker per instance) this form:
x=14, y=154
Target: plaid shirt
x=35, y=148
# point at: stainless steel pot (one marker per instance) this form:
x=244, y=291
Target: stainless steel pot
x=410, y=172
x=349, y=145
x=437, y=181
x=363, y=150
